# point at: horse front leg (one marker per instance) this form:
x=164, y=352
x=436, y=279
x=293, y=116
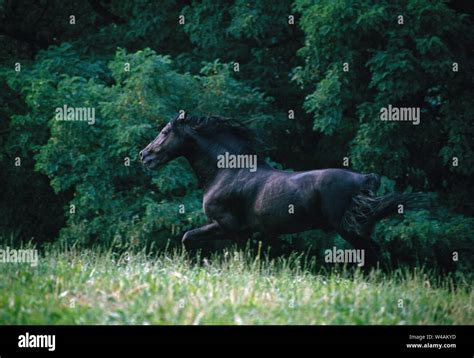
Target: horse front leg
x=209, y=231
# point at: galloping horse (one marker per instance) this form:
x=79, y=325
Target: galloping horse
x=239, y=201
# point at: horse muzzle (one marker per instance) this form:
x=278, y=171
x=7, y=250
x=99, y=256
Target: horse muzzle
x=150, y=159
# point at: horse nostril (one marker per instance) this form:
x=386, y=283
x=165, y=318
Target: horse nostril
x=141, y=154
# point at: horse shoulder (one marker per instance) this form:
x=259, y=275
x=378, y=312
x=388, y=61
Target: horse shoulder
x=216, y=199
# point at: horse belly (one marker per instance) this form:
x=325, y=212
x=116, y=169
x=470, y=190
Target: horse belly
x=285, y=208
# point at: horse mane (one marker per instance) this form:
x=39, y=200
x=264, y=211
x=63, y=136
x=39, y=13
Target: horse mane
x=215, y=127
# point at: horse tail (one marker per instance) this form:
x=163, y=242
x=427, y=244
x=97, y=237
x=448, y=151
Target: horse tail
x=366, y=209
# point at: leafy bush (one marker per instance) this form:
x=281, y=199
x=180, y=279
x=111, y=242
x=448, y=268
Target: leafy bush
x=111, y=198
x=433, y=239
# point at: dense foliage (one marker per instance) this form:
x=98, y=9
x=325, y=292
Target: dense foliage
x=335, y=67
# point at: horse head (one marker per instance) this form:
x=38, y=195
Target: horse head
x=170, y=143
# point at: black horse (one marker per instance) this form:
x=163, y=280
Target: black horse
x=243, y=194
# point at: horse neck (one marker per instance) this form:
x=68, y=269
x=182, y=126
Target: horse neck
x=202, y=162
x=202, y=157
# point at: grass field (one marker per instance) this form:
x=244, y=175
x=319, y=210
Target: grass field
x=100, y=287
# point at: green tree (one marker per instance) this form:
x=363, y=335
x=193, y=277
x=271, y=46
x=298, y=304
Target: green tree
x=97, y=164
x=408, y=65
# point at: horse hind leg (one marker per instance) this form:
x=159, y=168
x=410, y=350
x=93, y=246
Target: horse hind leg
x=371, y=249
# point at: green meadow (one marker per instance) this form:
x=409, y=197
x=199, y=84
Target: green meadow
x=235, y=287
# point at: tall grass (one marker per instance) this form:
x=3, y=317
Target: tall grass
x=103, y=286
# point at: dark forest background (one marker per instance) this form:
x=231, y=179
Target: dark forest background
x=72, y=183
